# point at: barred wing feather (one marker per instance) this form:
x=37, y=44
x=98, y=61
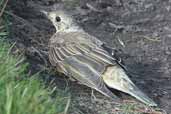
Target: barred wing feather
x=85, y=63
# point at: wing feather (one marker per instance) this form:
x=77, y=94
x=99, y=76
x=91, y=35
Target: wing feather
x=57, y=54
x=95, y=56
x=63, y=53
x=64, y=48
x=84, y=61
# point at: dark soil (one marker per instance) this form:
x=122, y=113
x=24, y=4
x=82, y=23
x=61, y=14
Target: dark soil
x=139, y=29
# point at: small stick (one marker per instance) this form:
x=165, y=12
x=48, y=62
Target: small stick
x=151, y=39
x=2, y=27
x=92, y=8
x=67, y=105
x=3, y=8
x=121, y=42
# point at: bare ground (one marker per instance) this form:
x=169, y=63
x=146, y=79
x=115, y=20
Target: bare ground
x=139, y=29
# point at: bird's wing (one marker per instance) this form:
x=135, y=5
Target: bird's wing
x=84, y=61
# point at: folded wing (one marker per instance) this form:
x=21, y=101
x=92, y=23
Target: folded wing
x=89, y=63
x=83, y=62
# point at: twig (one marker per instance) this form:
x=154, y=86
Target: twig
x=92, y=8
x=3, y=8
x=121, y=42
x=67, y=105
x=151, y=39
x=54, y=89
x=10, y=49
x=20, y=61
x=2, y=27
x=52, y=81
x=116, y=26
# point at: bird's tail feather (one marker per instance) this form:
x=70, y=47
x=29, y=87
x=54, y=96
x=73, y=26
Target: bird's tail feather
x=116, y=78
x=138, y=94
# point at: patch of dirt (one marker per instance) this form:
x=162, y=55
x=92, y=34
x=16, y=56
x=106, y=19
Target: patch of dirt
x=139, y=29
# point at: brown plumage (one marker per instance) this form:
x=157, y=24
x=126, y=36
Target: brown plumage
x=81, y=56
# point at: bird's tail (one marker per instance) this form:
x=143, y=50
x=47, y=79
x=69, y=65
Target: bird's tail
x=116, y=78
x=138, y=94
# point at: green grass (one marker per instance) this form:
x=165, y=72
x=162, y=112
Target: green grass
x=20, y=94
x=23, y=94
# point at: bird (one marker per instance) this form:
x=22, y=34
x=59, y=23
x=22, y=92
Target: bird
x=84, y=58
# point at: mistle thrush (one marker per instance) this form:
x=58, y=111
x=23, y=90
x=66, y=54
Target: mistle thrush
x=83, y=57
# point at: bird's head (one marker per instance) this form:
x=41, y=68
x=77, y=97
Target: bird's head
x=61, y=20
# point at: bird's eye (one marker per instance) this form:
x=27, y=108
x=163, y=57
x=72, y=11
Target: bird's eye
x=58, y=19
